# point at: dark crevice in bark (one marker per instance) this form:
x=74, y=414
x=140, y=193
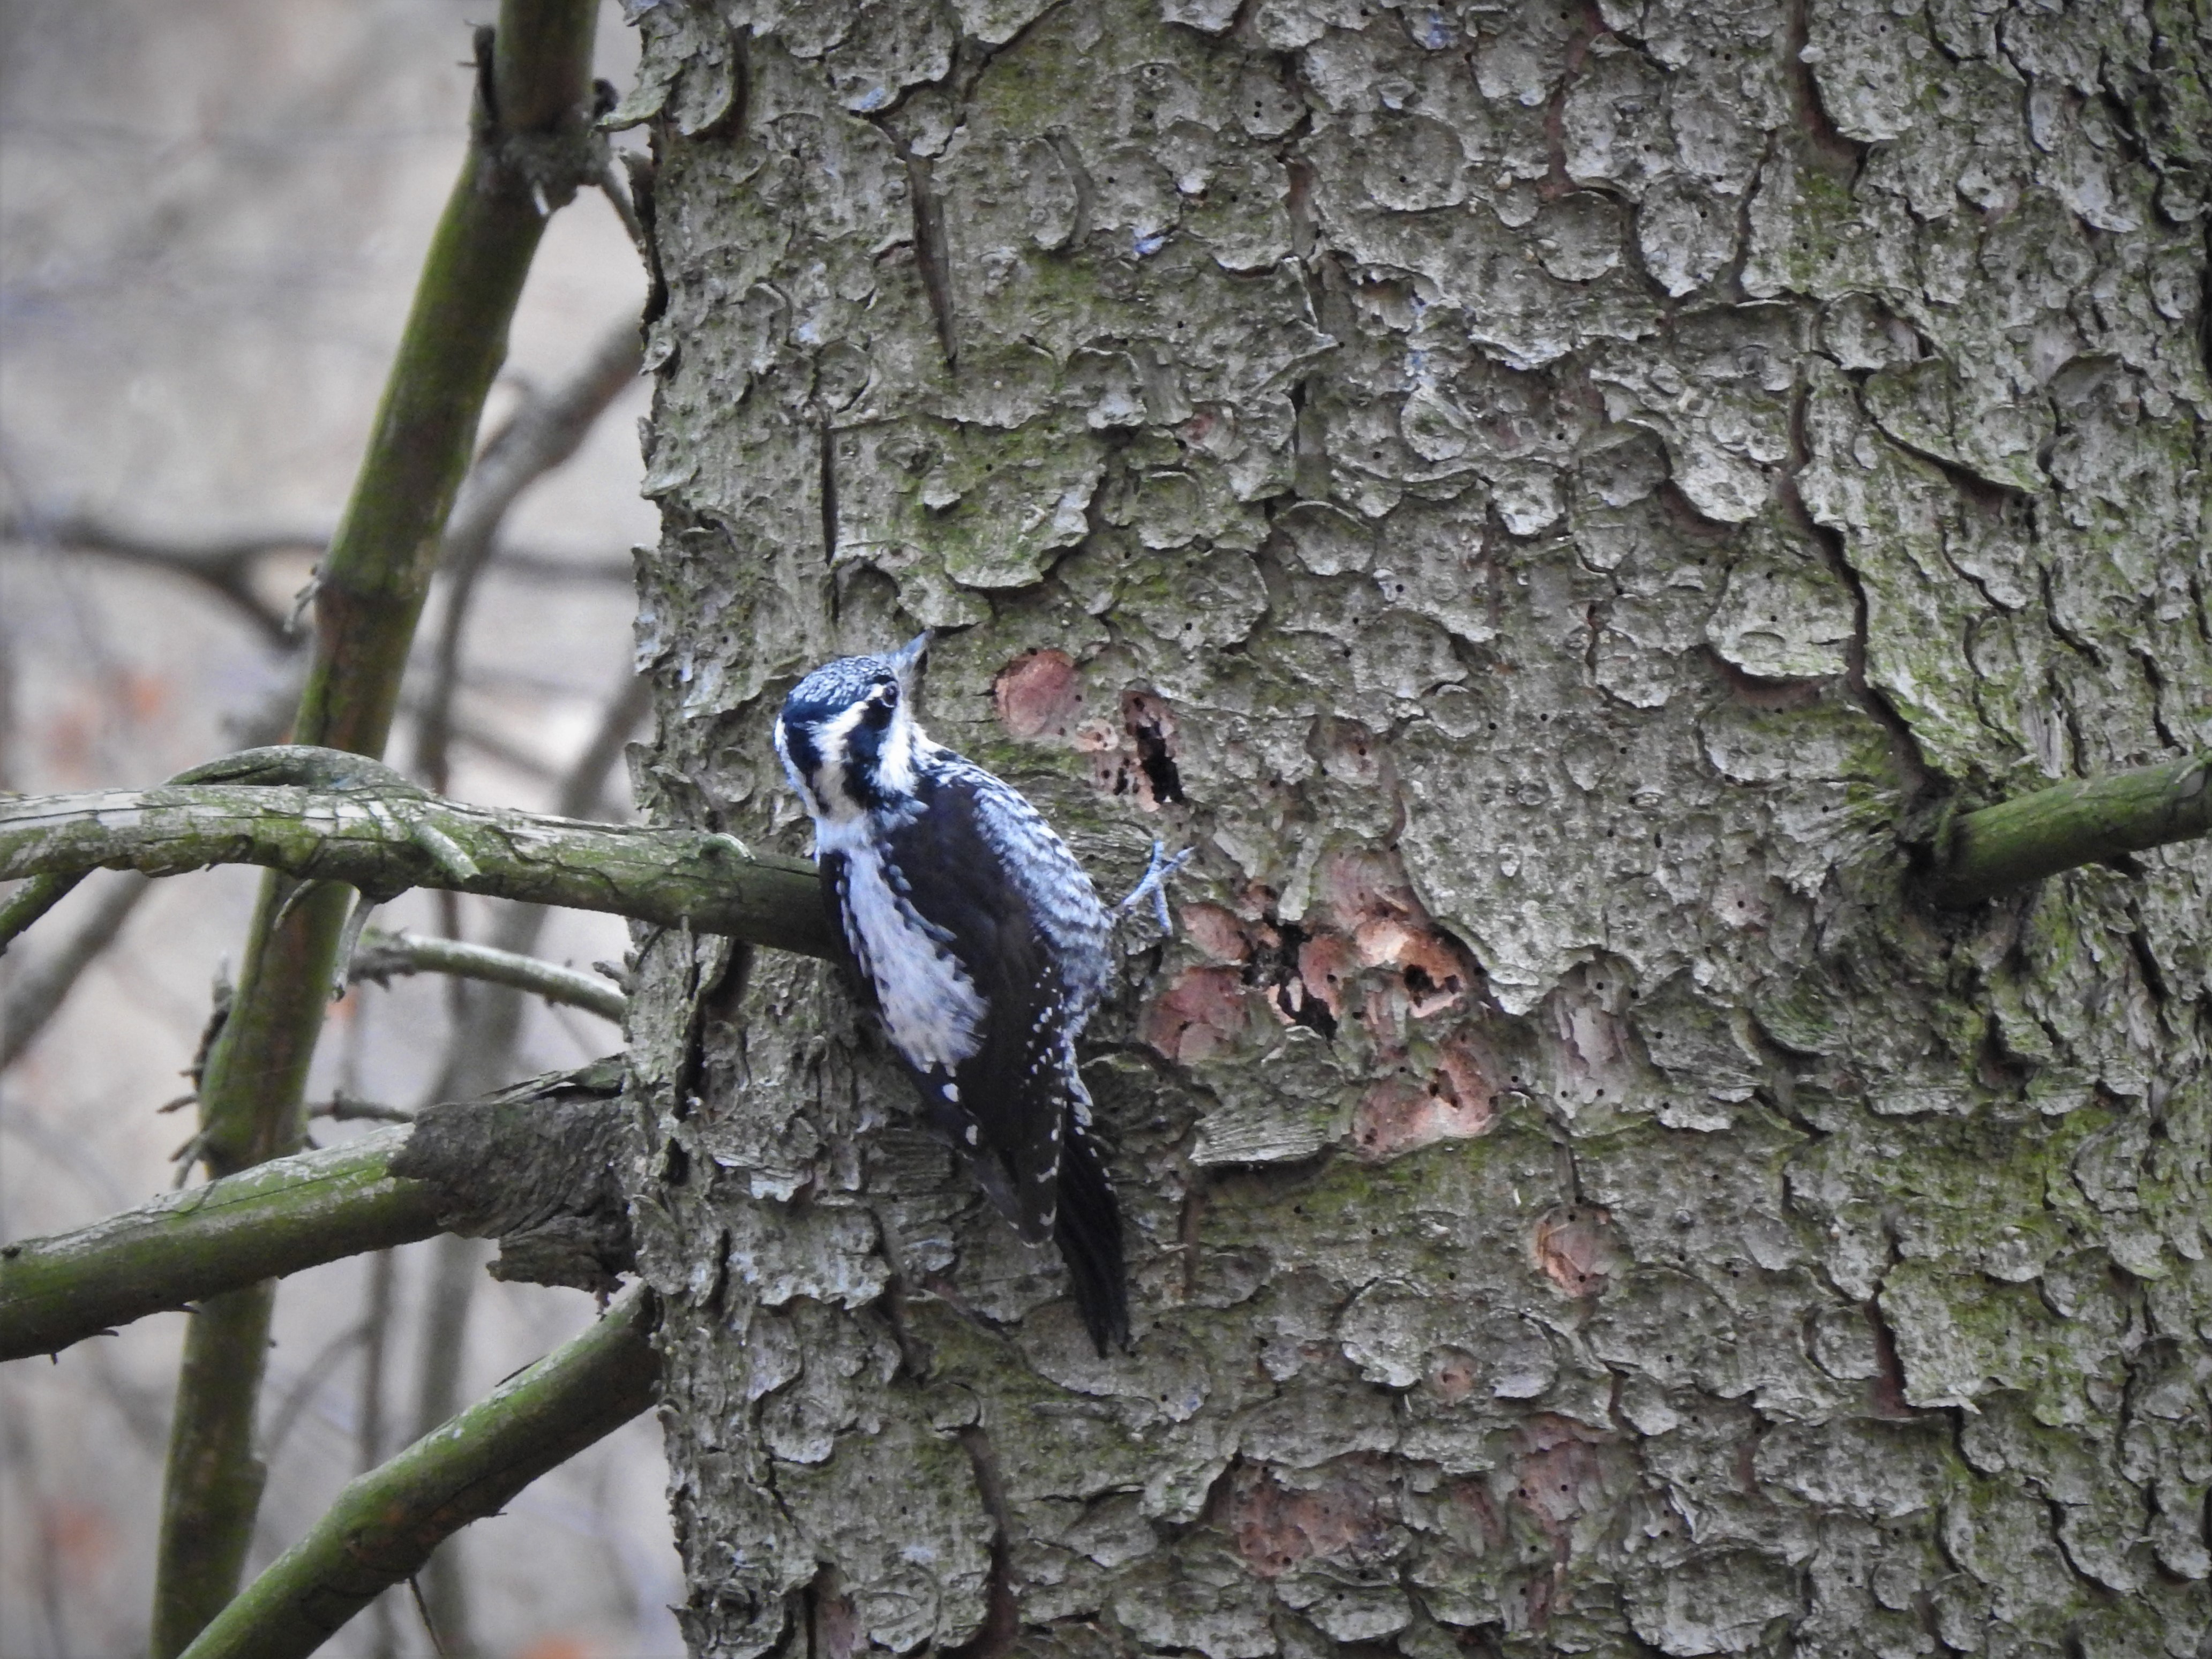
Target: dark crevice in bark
x=643, y=173
x=829, y=492
x=1275, y=972
x=1589, y=26
x=1086, y=189
x=1922, y=781
x=2156, y=680
x=1002, y=1618
x=1993, y=501
x=2066, y=637
x=1759, y=693
x=1886, y=1388
x=2204, y=311
x=1309, y=467
x=2147, y=963
x=932, y=257
x=1191, y=1233
x=1840, y=156
x=1144, y=716
x=1305, y=231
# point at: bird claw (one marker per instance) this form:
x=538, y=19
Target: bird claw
x=1153, y=885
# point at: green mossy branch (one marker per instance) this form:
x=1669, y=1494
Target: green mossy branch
x=385, y=841
x=384, y=1526
x=275, y=1218
x=532, y=1166
x=2070, y=825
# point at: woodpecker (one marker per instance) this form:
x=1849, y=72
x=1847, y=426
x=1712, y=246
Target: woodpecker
x=980, y=943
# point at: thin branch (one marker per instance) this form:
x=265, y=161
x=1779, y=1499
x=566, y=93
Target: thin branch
x=39, y=993
x=535, y=566
x=385, y=1525
x=382, y=844
x=225, y=566
x=487, y=1030
x=585, y=786
x=34, y=897
x=2069, y=824
x=545, y=432
x=381, y=955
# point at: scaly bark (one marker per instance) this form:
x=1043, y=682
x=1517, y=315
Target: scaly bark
x=1551, y=502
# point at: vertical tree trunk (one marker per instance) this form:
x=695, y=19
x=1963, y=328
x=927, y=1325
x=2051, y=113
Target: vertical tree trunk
x=1551, y=502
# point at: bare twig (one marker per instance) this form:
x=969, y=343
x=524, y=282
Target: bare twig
x=226, y=566
x=382, y=955
x=487, y=1032
x=39, y=993
x=545, y=432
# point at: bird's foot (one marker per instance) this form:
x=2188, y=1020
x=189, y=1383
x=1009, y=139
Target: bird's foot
x=1153, y=886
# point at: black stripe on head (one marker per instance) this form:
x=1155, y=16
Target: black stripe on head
x=864, y=750
x=799, y=743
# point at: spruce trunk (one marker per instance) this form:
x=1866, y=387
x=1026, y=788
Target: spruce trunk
x=1557, y=504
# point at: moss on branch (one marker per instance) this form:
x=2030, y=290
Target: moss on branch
x=2069, y=824
x=263, y=1223
x=532, y=1166
x=384, y=1526
x=386, y=840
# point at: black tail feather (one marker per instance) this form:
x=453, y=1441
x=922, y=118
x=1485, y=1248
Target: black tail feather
x=1088, y=1230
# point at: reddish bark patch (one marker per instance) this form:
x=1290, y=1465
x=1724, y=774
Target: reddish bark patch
x=1562, y=1476
x=1039, y=694
x=1468, y=1081
x=1204, y=1011
x=1397, y=1115
x=1362, y=887
x=1276, y=1528
x=1434, y=977
x=1327, y=964
x=1216, y=932
x=1574, y=1246
x=1473, y=1502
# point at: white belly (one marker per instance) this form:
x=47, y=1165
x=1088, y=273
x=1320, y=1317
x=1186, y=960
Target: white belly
x=930, y=1007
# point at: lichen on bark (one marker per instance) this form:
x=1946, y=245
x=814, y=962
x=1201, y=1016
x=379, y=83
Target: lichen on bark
x=1551, y=502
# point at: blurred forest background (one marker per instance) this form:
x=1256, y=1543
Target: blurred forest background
x=212, y=217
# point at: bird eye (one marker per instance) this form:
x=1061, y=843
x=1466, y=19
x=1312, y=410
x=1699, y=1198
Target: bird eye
x=888, y=694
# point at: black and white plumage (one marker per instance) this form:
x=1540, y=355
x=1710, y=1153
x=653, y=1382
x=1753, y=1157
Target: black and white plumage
x=983, y=945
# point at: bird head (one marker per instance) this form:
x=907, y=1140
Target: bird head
x=847, y=733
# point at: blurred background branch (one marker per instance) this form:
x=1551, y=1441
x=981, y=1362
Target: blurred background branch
x=209, y=225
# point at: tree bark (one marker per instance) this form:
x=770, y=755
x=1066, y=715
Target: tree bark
x=1557, y=504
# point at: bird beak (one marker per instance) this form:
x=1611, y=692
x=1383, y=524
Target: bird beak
x=908, y=661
